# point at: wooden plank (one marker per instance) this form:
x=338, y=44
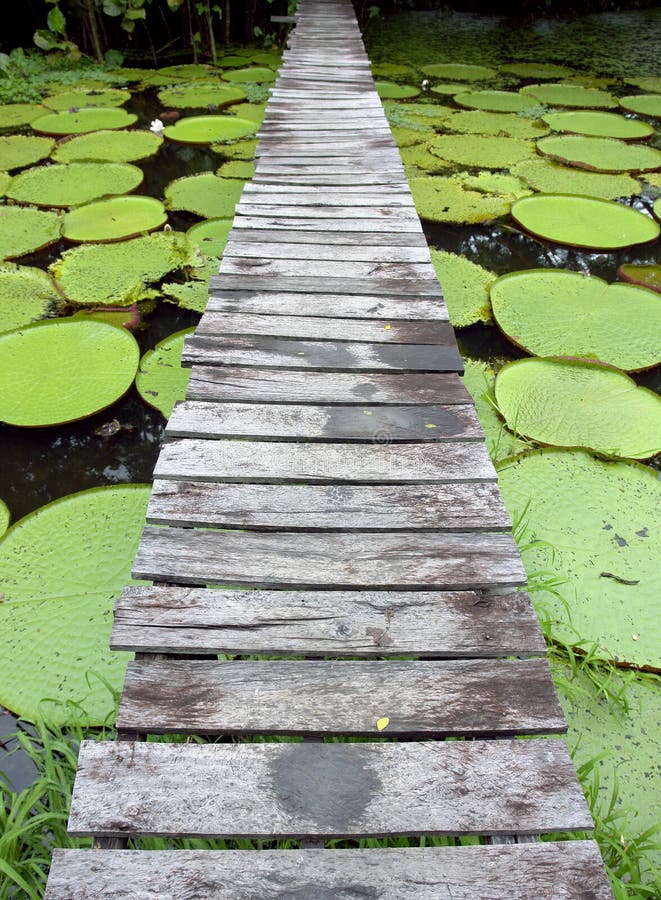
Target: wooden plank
x=160, y=619
x=328, y=211
x=326, y=790
x=251, y=385
x=311, y=284
x=267, y=507
x=383, y=253
x=369, y=227
x=289, y=303
x=395, y=561
x=563, y=869
x=468, y=698
x=255, y=462
x=353, y=241
x=329, y=198
x=326, y=329
x=264, y=177
x=417, y=273
x=328, y=423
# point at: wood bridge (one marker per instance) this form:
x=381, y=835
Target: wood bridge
x=325, y=495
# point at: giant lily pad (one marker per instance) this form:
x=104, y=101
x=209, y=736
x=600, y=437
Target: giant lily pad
x=574, y=403
x=161, y=381
x=598, y=124
x=120, y=274
x=443, y=88
x=645, y=276
x=536, y=70
x=551, y=178
x=193, y=293
x=584, y=221
x=570, y=95
x=108, y=146
x=5, y=517
x=600, y=154
x=72, y=183
x=252, y=75
x=13, y=115
x=465, y=288
x=209, y=129
x=18, y=150
x=252, y=112
x=187, y=71
x=440, y=199
x=388, y=90
x=594, y=526
x=69, y=100
x=26, y=294
x=459, y=72
x=24, y=230
x=237, y=168
x=241, y=149
x=411, y=115
x=201, y=95
x=63, y=370
x=555, y=312
x=114, y=219
x=643, y=104
x=62, y=567
x=494, y=101
x=651, y=83
x=477, y=121
x=423, y=159
x=479, y=379
x=211, y=236
x=83, y=121
x=409, y=137
x=484, y=151
x=206, y=195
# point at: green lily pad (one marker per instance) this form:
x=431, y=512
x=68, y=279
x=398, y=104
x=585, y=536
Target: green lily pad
x=244, y=148
x=120, y=274
x=584, y=221
x=5, y=517
x=479, y=379
x=586, y=521
x=127, y=75
x=208, y=129
x=389, y=90
x=570, y=95
x=537, y=70
x=232, y=60
x=459, y=71
x=555, y=312
x=26, y=295
x=409, y=137
x=575, y=403
x=69, y=184
x=645, y=276
x=477, y=121
x=114, y=219
x=440, y=199
x=211, y=236
x=443, y=88
x=25, y=230
x=494, y=101
x=5, y=180
x=480, y=150
x=465, y=288
x=194, y=293
x=251, y=112
x=551, y=178
x=643, y=104
x=252, y=75
x=85, y=99
x=187, y=71
x=84, y=120
x=415, y=114
x=422, y=158
x=161, y=381
x=598, y=124
x=120, y=317
x=600, y=154
x=266, y=58
x=389, y=70
x=63, y=370
x=62, y=568
x=237, y=168
x=651, y=83
x=496, y=183
x=156, y=79
x=108, y=146
x=206, y=195
x=201, y=95
x=13, y=115
x=18, y=150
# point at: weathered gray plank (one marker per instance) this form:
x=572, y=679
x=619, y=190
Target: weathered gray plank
x=401, y=560
x=264, y=507
x=563, y=869
x=324, y=790
x=327, y=198
x=160, y=619
x=359, y=251
x=290, y=303
x=322, y=222
x=376, y=210
x=415, y=241
x=326, y=180
x=470, y=698
x=421, y=274
x=313, y=284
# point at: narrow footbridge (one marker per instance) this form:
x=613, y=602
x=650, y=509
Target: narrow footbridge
x=325, y=517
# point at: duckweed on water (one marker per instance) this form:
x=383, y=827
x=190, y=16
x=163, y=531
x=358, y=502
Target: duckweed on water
x=465, y=288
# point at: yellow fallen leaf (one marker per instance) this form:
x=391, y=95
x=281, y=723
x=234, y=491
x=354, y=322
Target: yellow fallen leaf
x=430, y=425
x=382, y=723
x=387, y=327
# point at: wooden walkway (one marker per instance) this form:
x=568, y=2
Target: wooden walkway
x=328, y=457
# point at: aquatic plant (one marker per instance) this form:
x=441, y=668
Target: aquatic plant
x=161, y=381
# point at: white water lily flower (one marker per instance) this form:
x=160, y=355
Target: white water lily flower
x=156, y=126
x=425, y=84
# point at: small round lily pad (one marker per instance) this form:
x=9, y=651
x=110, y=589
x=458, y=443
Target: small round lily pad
x=161, y=381
x=63, y=370
x=574, y=403
x=25, y=230
x=13, y=115
x=19, y=150
x=478, y=121
x=108, y=146
x=201, y=95
x=465, y=288
x=643, y=104
x=389, y=90
x=459, y=71
x=600, y=154
x=210, y=236
x=209, y=129
x=494, y=101
x=486, y=151
x=114, y=219
x=550, y=177
x=598, y=124
x=645, y=276
x=83, y=121
x=69, y=184
x=556, y=312
x=206, y=195
x=570, y=95
x=443, y=88
x=584, y=221
x=252, y=75
x=106, y=98
x=26, y=295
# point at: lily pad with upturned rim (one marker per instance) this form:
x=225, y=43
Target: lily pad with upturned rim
x=485, y=151
x=459, y=71
x=550, y=177
x=83, y=121
x=445, y=88
x=250, y=112
x=24, y=229
x=479, y=379
x=114, y=219
x=194, y=293
x=211, y=236
x=537, y=70
x=465, y=288
x=389, y=90
x=201, y=95
x=26, y=295
x=209, y=129
x=237, y=168
x=19, y=150
x=63, y=370
x=596, y=123
x=478, y=121
x=556, y=312
x=575, y=403
x=186, y=71
x=600, y=154
x=106, y=98
x=108, y=146
x=251, y=75
x=570, y=95
x=645, y=276
x=69, y=184
x=494, y=101
x=643, y=104
x=161, y=380
x=584, y=221
x=14, y=115
x=205, y=195
x=62, y=567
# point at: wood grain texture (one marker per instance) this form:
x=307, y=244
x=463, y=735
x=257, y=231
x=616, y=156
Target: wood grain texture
x=313, y=284
x=322, y=222
x=327, y=790
x=326, y=239
x=418, y=273
x=459, y=624
x=358, y=250
x=403, y=560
